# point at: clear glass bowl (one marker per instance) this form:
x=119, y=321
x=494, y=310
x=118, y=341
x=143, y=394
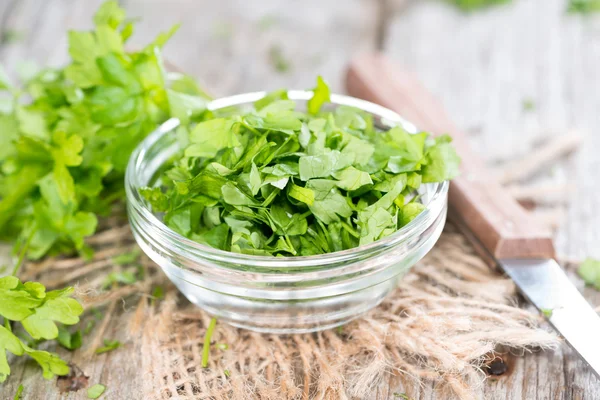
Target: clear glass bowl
x=276, y=294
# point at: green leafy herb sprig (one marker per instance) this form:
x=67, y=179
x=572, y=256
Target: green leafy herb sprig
x=470, y=5
x=583, y=6
x=38, y=312
x=67, y=133
x=278, y=181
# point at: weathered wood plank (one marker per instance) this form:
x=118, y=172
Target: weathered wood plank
x=484, y=66
x=227, y=44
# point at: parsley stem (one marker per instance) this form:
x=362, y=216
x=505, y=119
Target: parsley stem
x=349, y=229
x=23, y=252
x=207, y=339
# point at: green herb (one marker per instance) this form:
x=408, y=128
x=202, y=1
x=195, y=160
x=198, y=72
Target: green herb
x=589, y=271
x=583, y=6
x=281, y=182
x=403, y=396
x=38, y=312
x=18, y=393
x=278, y=59
x=88, y=327
x=470, y=5
x=68, y=340
x=158, y=292
x=547, y=312
x=12, y=36
x=206, y=344
x=127, y=257
x=528, y=105
x=95, y=391
x=123, y=277
x=222, y=346
x=69, y=132
x=227, y=373
x=109, y=345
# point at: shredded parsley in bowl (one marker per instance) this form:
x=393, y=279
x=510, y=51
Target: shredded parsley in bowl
x=273, y=180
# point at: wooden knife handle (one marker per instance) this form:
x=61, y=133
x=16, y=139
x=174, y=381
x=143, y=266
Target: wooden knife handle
x=503, y=228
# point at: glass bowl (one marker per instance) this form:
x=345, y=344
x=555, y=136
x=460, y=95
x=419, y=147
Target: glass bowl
x=279, y=294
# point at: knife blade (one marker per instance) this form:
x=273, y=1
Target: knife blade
x=496, y=223
x=545, y=284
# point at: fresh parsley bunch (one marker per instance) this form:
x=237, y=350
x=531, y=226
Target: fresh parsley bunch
x=68, y=133
x=277, y=181
x=38, y=312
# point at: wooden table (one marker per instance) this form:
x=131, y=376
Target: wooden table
x=484, y=66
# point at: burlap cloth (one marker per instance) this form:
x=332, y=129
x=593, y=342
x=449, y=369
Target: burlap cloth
x=443, y=323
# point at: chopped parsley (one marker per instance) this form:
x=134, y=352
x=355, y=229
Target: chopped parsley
x=95, y=391
x=109, y=345
x=589, y=271
x=278, y=181
x=547, y=312
x=207, y=340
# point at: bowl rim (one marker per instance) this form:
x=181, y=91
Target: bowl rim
x=418, y=225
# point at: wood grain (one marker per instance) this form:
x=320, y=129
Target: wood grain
x=504, y=228
x=481, y=65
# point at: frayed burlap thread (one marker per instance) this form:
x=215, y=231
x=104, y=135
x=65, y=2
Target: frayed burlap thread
x=444, y=321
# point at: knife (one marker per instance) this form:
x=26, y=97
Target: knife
x=495, y=222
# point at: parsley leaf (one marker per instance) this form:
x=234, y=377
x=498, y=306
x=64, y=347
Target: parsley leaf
x=547, y=312
x=109, y=345
x=320, y=96
x=38, y=311
x=68, y=340
x=8, y=342
x=19, y=393
x=589, y=271
x=95, y=391
x=128, y=257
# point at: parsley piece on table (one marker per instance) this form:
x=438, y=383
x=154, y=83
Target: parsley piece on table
x=95, y=391
x=127, y=258
x=109, y=345
x=528, y=104
x=283, y=182
x=471, y=5
x=547, y=312
x=589, y=271
x=278, y=59
x=19, y=393
x=123, y=277
x=206, y=344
